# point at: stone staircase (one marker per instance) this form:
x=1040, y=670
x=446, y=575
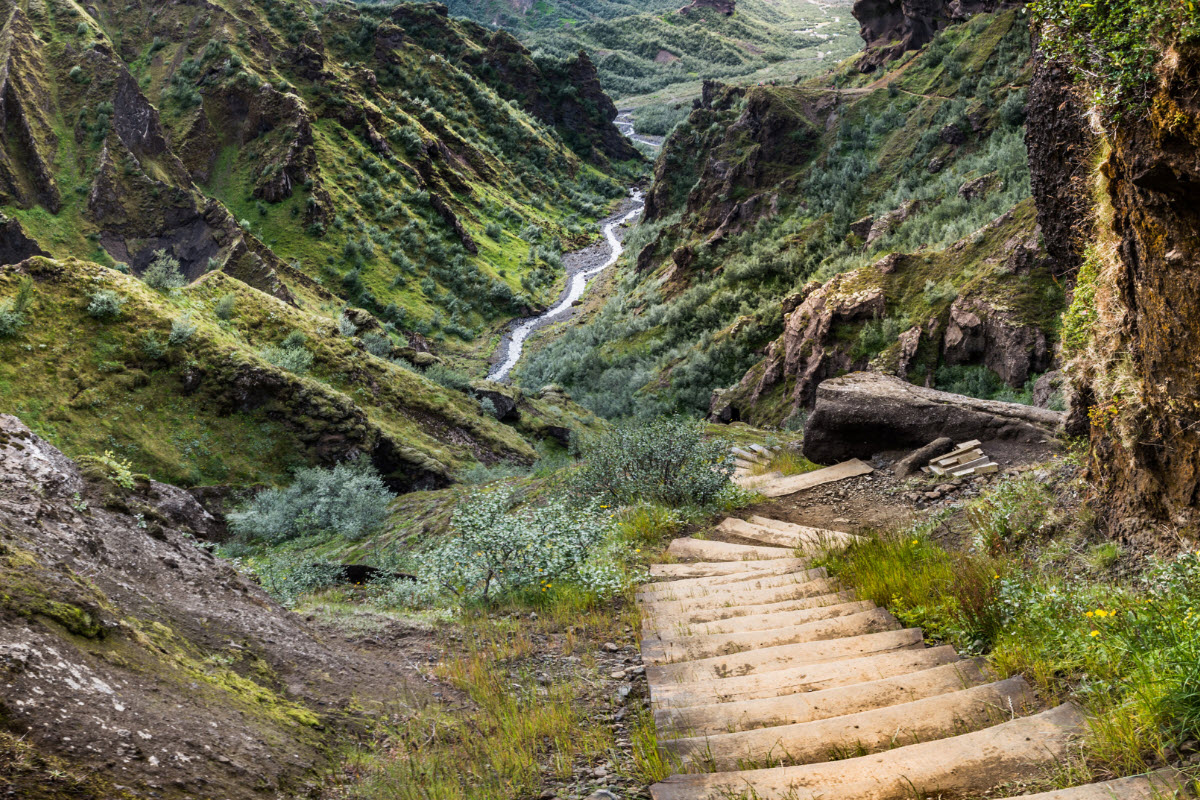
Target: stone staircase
x=768, y=680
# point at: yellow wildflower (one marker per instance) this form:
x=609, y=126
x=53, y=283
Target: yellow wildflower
x=1094, y=633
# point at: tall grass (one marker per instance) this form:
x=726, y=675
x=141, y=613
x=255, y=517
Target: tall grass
x=1128, y=651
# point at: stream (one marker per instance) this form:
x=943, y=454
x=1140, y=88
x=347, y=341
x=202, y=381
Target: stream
x=581, y=267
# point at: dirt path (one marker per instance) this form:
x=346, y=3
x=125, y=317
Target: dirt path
x=768, y=679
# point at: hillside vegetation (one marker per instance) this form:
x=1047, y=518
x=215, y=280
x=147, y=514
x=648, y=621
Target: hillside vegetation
x=767, y=192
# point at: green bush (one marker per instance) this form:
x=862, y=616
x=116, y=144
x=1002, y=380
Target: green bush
x=151, y=346
x=225, y=306
x=105, y=304
x=666, y=460
x=287, y=576
x=12, y=312
x=164, y=273
x=294, y=359
x=378, y=344
x=496, y=549
x=494, y=231
x=349, y=500
x=450, y=378
x=182, y=329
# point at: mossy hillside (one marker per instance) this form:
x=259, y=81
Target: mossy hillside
x=879, y=145
x=365, y=161
x=89, y=386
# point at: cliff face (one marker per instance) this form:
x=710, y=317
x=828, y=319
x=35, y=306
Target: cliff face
x=893, y=27
x=1140, y=369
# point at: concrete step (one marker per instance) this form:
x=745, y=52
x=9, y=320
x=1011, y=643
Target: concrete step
x=925, y=720
x=769, y=659
x=706, y=569
x=1161, y=785
x=809, y=678
x=961, y=766
x=791, y=709
x=752, y=622
x=798, y=483
x=693, y=648
x=705, y=550
x=737, y=597
x=697, y=616
x=702, y=587
x=812, y=540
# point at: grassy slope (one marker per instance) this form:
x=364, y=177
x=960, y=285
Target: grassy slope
x=88, y=386
x=678, y=334
x=761, y=41
x=500, y=167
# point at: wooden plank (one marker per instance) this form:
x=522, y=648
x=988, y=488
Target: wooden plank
x=798, y=483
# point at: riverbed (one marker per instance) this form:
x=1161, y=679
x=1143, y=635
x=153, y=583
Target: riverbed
x=582, y=266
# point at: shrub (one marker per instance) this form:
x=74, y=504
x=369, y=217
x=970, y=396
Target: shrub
x=378, y=344
x=151, y=346
x=225, y=306
x=496, y=549
x=182, y=329
x=494, y=231
x=345, y=326
x=105, y=304
x=450, y=378
x=349, y=499
x=294, y=359
x=110, y=468
x=488, y=407
x=666, y=460
x=483, y=473
x=287, y=576
x=164, y=273
x=12, y=312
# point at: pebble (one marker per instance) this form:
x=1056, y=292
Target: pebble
x=618, y=674
x=602, y=794
x=609, y=647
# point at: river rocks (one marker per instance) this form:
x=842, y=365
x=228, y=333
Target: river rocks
x=865, y=413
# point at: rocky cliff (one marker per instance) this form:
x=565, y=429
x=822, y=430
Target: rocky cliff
x=134, y=664
x=1137, y=301
x=893, y=27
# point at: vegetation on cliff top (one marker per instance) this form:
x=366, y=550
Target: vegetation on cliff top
x=1115, y=45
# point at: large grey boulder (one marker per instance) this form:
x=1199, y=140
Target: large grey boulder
x=864, y=413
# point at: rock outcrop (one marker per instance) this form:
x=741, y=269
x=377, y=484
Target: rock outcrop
x=865, y=413
x=147, y=666
x=1061, y=145
x=980, y=333
x=726, y=7
x=1139, y=377
x=893, y=27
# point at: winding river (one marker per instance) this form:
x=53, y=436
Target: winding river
x=513, y=342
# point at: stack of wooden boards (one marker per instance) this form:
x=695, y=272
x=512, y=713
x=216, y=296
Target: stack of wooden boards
x=965, y=459
x=769, y=680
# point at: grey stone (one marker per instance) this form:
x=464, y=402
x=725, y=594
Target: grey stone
x=864, y=413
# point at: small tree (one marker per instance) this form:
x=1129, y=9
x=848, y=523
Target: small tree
x=225, y=306
x=164, y=273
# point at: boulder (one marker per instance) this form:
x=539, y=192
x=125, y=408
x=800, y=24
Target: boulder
x=912, y=463
x=864, y=413
x=501, y=398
